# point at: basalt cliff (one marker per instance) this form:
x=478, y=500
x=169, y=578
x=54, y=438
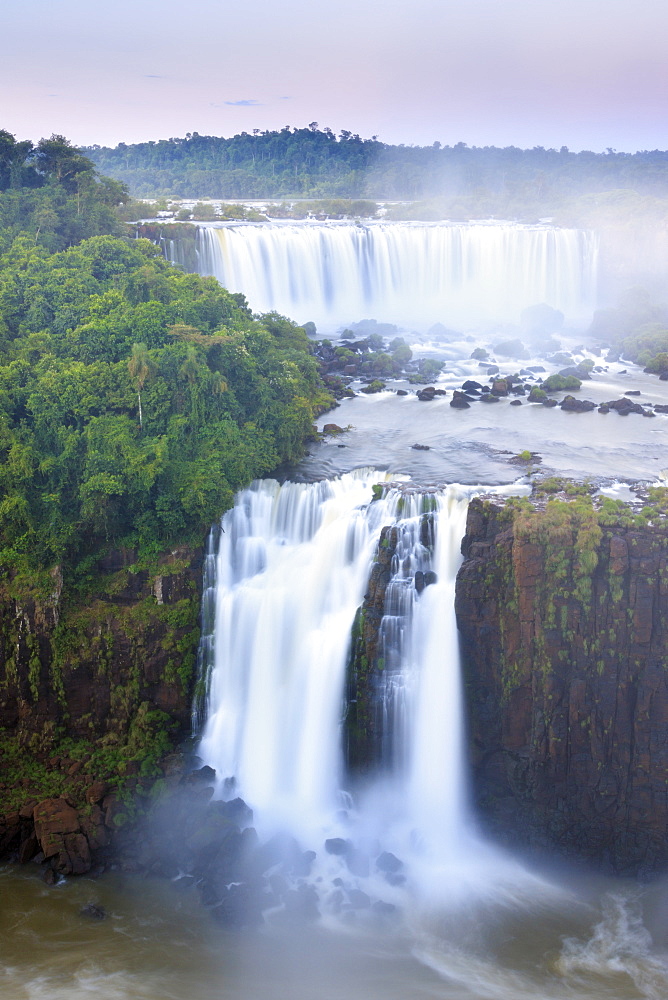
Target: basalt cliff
x=563, y=616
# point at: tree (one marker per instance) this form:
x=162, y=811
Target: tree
x=56, y=158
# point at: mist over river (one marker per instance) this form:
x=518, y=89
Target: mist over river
x=468, y=921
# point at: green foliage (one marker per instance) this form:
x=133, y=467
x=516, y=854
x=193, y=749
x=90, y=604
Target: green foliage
x=659, y=364
x=313, y=162
x=54, y=194
x=134, y=400
x=647, y=342
x=557, y=383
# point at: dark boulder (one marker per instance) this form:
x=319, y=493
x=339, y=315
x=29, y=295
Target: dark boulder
x=388, y=862
x=460, y=401
x=573, y=405
x=337, y=845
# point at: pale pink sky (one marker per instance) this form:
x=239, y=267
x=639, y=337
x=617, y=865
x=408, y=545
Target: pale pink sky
x=587, y=74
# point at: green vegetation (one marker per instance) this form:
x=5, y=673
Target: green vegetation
x=52, y=193
x=312, y=162
x=134, y=400
x=557, y=383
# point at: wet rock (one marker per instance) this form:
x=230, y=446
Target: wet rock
x=516, y=402
x=96, y=792
x=661, y=408
x=604, y=408
x=388, y=862
x=92, y=911
x=426, y=394
x=573, y=405
x=421, y=447
x=575, y=371
x=236, y=811
x=337, y=845
x=59, y=834
x=492, y=369
x=550, y=403
x=460, y=401
x=402, y=392
x=489, y=397
x=633, y=392
x=625, y=406
x=471, y=386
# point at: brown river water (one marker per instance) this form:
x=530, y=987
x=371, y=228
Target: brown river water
x=599, y=939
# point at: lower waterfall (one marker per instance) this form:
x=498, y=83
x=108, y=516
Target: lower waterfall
x=292, y=568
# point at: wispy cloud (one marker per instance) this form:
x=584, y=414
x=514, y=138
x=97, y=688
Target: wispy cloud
x=153, y=76
x=243, y=104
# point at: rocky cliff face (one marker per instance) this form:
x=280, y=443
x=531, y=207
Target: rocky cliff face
x=85, y=664
x=364, y=717
x=563, y=613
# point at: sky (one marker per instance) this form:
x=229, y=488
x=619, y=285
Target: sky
x=587, y=74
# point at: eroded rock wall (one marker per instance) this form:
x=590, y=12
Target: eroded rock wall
x=563, y=615
x=85, y=664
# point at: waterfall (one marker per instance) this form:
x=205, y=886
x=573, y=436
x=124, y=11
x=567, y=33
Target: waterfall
x=414, y=274
x=292, y=568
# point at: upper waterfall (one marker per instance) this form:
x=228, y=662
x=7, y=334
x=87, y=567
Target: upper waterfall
x=415, y=274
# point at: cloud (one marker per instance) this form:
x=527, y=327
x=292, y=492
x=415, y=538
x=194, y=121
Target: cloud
x=153, y=76
x=243, y=104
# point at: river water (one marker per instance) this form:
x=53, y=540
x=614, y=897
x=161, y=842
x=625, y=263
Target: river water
x=472, y=922
x=605, y=940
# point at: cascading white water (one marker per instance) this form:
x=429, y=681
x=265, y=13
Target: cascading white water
x=292, y=567
x=415, y=274
x=293, y=564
